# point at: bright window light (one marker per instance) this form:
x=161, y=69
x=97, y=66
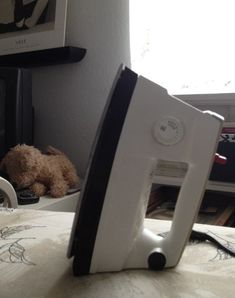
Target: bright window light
x=188, y=46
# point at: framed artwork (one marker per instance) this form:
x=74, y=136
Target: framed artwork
x=30, y=25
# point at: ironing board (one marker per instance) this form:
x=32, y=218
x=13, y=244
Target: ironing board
x=33, y=263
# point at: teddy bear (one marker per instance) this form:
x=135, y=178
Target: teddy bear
x=26, y=166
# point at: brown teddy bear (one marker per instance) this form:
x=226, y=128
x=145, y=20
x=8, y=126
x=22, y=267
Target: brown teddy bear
x=26, y=166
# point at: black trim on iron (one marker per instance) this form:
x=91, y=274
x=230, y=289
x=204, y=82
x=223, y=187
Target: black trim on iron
x=93, y=193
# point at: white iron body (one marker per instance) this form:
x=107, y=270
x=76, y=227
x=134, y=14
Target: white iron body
x=158, y=127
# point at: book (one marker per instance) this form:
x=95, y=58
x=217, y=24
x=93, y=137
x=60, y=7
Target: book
x=226, y=147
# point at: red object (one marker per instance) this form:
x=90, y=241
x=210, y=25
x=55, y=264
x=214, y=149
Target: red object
x=219, y=159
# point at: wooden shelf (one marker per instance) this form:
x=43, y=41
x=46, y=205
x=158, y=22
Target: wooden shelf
x=211, y=185
x=44, y=57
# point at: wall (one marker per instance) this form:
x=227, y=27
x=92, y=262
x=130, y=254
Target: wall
x=69, y=99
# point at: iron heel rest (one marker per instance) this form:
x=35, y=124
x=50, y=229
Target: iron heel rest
x=156, y=127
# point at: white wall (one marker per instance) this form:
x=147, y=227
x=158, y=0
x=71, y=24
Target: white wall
x=69, y=99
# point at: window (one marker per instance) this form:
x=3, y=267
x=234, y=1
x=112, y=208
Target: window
x=187, y=46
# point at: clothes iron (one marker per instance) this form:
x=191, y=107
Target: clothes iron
x=142, y=126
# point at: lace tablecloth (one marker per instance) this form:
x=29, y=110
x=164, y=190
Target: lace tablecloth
x=33, y=263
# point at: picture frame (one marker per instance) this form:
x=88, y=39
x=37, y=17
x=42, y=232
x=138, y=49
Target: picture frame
x=30, y=25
